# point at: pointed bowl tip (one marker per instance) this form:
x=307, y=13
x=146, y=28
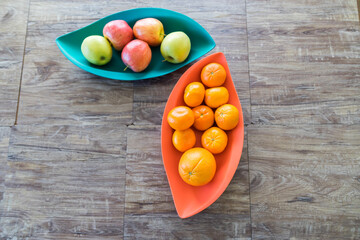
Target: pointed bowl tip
x=191, y=200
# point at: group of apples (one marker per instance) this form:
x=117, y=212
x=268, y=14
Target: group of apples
x=135, y=44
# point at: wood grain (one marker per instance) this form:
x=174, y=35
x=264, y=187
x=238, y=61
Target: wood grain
x=147, y=189
x=64, y=182
x=149, y=205
x=305, y=181
x=13, y=23
x=200, y=227
x=4, y=145
x=304, y=62
x=103, y=139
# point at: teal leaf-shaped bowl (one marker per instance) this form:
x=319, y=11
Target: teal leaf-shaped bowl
x=201, y=43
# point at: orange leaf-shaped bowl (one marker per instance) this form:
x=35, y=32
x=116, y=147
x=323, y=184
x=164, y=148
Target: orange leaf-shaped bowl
x=191, y=200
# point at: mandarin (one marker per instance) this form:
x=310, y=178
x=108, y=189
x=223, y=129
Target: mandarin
x=183, y=139
x=213, y=75
x=197, y=166
x=227, y=116
x=194, y=94
x=215, y=140
x=204, y=117
x=180, y=118
x=217, y=96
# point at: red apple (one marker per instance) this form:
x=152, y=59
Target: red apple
x=119, y=33
x=136, y=55
x=149, y=30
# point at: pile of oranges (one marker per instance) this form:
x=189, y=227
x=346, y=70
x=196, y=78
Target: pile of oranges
x=206, y=104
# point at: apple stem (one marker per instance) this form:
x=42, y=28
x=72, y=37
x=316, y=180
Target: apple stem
x=126, y=68
x=164, y=60
x=163, y=34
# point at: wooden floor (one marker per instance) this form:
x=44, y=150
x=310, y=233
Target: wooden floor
x=80, y=155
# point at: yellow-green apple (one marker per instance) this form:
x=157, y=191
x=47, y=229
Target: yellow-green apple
x=96, y=49
x=175, y=47
x=150, y=30
x=119, y=33
x=136, y=55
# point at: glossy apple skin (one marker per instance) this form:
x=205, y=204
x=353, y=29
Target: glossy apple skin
x=119, y=33
x=150, y=30
x=136, y=55
x=175, y=47
x=96, y=49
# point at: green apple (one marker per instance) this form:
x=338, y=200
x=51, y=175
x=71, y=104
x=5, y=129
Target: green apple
x=175, y=47
x=97, y=50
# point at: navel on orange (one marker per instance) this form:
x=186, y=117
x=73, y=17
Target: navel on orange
x=204, y=117
x=215, y=140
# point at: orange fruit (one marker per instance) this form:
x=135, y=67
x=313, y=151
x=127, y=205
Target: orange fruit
x=197, y=166
x=217, y=96
x=194, y=94
x=180, y=118
x=213, y=75
x=204, y=117
x=214, y=139
x=183, y=139
x=227, y=116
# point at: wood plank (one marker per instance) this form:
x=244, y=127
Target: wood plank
x=304, y=61
x=147, y=189
x=199, y=227
x=305, y=98
x=149, y=205
x=62, y=184
x=13, y=23
x=305, y=181
x=103, y=139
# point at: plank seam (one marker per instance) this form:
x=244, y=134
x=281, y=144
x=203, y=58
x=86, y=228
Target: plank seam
x=358, y=6
x=247, y=142
x=126, y=158
x=22, y=66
